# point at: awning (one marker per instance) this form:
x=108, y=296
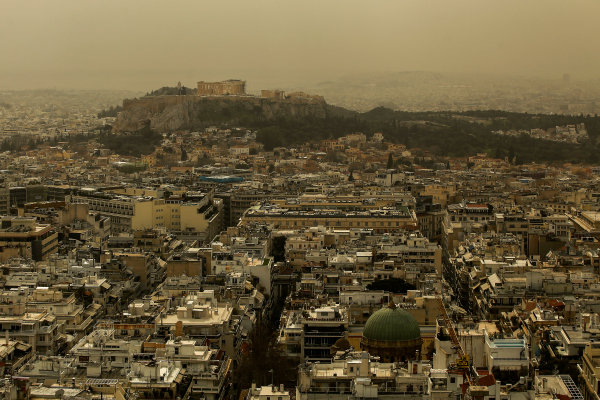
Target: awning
x=180, y=376
x=23, y=346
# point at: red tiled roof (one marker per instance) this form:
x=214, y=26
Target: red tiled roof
x=487, y=380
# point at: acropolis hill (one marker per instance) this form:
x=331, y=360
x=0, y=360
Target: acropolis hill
x=215, y=102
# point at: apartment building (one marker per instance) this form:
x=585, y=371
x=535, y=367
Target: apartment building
x=42, y=239
x=384, y=220
x=197, y=212
x=4, y=198
x=201, y=316
x=100, y=351
x=210, y=369
x=590, y=371
x=64, y=306
x=34, y=326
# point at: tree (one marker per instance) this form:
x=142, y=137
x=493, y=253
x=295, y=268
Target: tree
x=498, y=154
x=394, y=285
x=519, y=160
x=511, y=154
x=351, y=177
x=333, y=156
x=270, y=137
x=278, y=248
x=183, y=154
x=390, y=162
x=253, y=151
x=264, y=355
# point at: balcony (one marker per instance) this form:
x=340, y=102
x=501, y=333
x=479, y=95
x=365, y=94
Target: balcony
x=509, y=363
x=315, y=334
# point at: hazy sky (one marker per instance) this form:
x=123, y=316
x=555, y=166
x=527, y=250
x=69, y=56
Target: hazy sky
x=141, y=45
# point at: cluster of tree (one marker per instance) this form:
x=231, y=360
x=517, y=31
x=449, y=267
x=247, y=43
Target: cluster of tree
x=265, y=361
x=450, y=134
x=285, y=132
x=392, y=285
x=131, y=168
x=172, y=91
x=15, y=143
x=111, y=112
x=5, y=105
x=143, y=141
x=278, y=248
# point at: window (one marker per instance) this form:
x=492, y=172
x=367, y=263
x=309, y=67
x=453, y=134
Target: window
x=453, y=380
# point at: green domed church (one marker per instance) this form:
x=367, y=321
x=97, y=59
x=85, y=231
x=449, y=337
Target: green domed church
x=392, y=334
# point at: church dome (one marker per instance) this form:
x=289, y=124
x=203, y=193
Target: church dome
x=342, y=343
x=392, y=324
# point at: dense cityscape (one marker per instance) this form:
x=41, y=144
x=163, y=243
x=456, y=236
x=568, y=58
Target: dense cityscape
x=191, y=244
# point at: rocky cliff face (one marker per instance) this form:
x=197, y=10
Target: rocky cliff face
x=133, y=119
x=211, y=111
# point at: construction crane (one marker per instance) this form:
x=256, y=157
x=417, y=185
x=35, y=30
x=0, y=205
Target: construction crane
x=450, y=327
x=456, y=343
